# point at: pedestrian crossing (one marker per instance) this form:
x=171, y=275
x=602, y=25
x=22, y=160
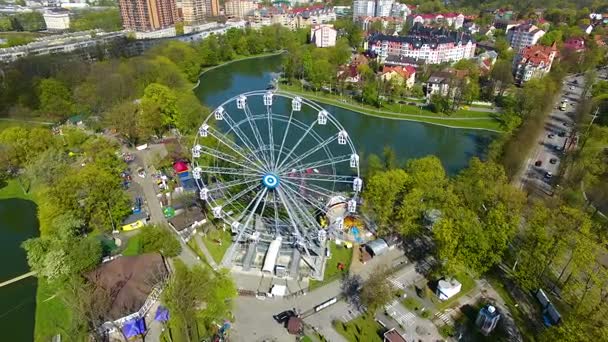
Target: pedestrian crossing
x=445, y=317
x=404, y=318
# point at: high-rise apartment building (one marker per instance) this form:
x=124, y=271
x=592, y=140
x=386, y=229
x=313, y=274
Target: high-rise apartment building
x=239, y=8
x=363, y=8
x=211, y=8
x=147, y=15
x=193, y=11
x=384, y=8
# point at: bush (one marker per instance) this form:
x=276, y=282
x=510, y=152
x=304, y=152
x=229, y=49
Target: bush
x=447, y=331
x=159, y=239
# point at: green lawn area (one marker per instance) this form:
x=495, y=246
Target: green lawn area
x=411, y=304
x=468, y=284
x=361, y=329
x=473, y=119
x=339, y=254
x=12, y=189
x=52, y=316
x=18, y=38
x=216, y=249
x=521, y=320
x=132, y=247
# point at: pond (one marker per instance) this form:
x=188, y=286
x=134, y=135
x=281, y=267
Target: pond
x=454, y=147
x=18, y=222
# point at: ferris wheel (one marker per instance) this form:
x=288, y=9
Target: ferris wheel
x=270, y=165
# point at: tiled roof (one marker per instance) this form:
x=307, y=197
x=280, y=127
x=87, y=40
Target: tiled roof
x=536, y=54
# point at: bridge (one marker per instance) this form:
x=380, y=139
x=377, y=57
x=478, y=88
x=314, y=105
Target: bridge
x=16, y=279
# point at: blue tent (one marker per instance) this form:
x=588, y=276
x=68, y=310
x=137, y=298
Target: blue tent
x=134, y=327
x=162, y=314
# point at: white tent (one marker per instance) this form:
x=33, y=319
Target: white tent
x=278, y=290
x=448, y=288
x=271, y=255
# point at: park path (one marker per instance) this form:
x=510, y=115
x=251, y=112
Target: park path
x=201, y=245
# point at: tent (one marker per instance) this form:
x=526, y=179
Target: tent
x=162, y=314
x=134, y=327
x=180, y=166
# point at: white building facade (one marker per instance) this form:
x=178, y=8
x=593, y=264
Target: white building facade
x=384, y=8
x=524, y=35
x=323, y=35
x=57, y=20
x=364, y=8
x=239, y=8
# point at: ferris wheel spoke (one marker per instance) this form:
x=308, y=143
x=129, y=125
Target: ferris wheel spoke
x=306, y=215
x=227, y=158
x=235, y=147
x=270, y=136
x=225, y=171
x=256, y=132
x=288, y=186
x=312, y=188
x=290, y=213
x=230, y=184
x=276, y=213
x=322, y=178
x=241, y=135
x=257, y=198
x=321, y=163
x=284, y=136
x=297, y=144
x=239, y=195
x=306, y=154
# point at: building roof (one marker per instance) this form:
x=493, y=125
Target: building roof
x=393, y=336
x=537, y=54
x=359, y=59
x=398, y=60
x=377, y=247
x=423, y=35
x=294, y=325
x=575, y=43
x=127, y=281
x=187, y=218
x=405, y=71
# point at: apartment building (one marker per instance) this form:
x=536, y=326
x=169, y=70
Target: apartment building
x=364, y=8
x=533, y=62
x=239, y=8
x=523, y=35
x=147, y=15
x=454, y=20
x=323, y=35
x=425, y=45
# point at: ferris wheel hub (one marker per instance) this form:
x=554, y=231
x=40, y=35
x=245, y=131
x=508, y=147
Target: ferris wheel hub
x=270, y=181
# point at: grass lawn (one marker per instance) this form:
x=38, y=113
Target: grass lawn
x=12, y=189
x=411, y=304
x=216, y=249
x=472, y=119
x=133, y=246
x=521, y=320
x=52, y=316
x=468, y=284
x=361, y=329
x=339, y=254
x=18, y=38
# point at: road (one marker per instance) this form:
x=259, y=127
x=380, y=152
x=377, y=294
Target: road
x=544, y=161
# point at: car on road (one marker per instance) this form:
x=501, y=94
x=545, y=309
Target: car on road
x=553, y=160
x=538, y=163
x=551, y=136
x=548, y=175
x=284, y=316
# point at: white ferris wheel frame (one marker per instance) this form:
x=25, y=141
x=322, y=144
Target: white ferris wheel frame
x=260, y=167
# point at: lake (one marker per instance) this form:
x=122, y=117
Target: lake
x=18, y=222
x=454, y=147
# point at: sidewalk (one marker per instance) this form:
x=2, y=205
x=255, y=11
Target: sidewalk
x=203, y=248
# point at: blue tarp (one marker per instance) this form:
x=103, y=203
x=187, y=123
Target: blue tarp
x=162, y=314
x=134, y=327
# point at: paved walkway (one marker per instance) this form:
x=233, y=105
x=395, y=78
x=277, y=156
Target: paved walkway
x=201, y=245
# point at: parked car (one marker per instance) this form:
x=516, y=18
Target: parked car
x=538, y=163
x=548, y=175
x=284, y=316
x=553, y=160
x=551, y=136
x=561, y=134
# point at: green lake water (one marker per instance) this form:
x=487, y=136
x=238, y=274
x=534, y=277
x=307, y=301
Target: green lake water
x=370, y=134
x=18, y=222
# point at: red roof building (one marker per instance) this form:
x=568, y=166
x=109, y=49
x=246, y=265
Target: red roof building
x=180, y=167
x=576, y=44
x=533, y=62
x=406, y=74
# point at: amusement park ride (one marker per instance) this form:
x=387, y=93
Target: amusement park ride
x=273, y=174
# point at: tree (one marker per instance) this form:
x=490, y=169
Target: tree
x=55, y=98
x=383, y=191
x=124, y=119
x=155, y=238
x=440, y=104
x=502, y=76
x=376, y=291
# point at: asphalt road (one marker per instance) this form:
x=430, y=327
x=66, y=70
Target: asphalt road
x=544, y=161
